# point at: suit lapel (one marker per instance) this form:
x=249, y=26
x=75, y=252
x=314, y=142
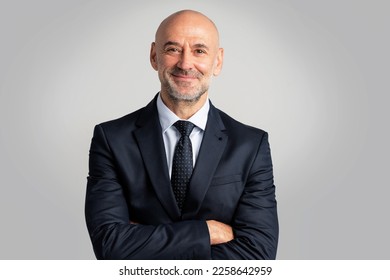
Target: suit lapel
x=213, y=144
x=151, y=145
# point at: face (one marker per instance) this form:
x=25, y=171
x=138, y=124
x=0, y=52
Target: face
x=186, y=55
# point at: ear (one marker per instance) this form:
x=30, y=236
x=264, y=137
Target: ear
x=218, y=62
x=153, y=58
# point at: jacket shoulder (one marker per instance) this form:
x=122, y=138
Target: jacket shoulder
x=132, y=120
x=127, y=121
x=239, y=128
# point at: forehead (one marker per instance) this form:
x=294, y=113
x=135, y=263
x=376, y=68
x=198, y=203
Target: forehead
x=192, y=28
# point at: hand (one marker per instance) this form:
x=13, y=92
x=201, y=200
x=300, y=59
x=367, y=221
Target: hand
x=219, y=232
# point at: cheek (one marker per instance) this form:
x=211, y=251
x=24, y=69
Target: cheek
x=203, y=68
x=166, y=62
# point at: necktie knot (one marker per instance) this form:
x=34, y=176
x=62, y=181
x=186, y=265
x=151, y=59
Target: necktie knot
x=184, y=127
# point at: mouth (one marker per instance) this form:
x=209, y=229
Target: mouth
x=183, y=77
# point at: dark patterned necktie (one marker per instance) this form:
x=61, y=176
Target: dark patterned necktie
x=182, y=164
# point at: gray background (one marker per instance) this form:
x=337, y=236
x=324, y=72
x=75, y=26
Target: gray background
x=314, y=74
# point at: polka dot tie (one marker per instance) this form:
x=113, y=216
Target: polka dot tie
x=182, y=164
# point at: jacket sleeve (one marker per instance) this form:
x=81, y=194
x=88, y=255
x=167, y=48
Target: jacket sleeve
x=255, y=223
x=108, y=220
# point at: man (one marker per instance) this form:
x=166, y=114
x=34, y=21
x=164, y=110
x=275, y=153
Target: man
x=179, y=179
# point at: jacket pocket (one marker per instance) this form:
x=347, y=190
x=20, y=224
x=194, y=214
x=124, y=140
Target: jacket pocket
x=224, y=180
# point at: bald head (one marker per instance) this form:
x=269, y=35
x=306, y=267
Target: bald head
x=189, y=20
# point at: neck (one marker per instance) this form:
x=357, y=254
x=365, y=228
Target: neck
x=184, y=109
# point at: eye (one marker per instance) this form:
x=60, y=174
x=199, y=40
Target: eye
x=172, y=50
x=200, y=51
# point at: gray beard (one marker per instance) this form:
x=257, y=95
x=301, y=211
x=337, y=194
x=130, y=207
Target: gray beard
x=176, y=96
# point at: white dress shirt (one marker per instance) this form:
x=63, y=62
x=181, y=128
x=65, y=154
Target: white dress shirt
x=171, y=135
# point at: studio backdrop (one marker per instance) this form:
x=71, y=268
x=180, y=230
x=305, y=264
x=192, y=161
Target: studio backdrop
x=313, y=74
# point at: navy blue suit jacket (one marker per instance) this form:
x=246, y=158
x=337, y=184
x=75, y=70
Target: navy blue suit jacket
x=128, y=180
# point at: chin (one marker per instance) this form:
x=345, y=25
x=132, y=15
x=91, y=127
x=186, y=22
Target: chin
x=185, y=96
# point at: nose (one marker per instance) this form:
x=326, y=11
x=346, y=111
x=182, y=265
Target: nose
x=185, y=61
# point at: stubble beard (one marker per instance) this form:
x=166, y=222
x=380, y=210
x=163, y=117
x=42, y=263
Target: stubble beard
x=190, y=94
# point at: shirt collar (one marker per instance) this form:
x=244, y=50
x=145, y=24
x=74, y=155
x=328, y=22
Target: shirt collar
x=168, y=118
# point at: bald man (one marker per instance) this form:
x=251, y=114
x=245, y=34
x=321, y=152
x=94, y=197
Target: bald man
x=180, y=179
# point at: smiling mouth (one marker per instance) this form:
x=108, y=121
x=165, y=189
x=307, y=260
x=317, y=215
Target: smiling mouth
x=184, y=77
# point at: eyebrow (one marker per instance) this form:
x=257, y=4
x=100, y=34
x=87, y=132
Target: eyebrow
x=201, y=46
x=173, y=43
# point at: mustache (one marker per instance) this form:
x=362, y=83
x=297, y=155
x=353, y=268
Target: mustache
x=189, y=73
